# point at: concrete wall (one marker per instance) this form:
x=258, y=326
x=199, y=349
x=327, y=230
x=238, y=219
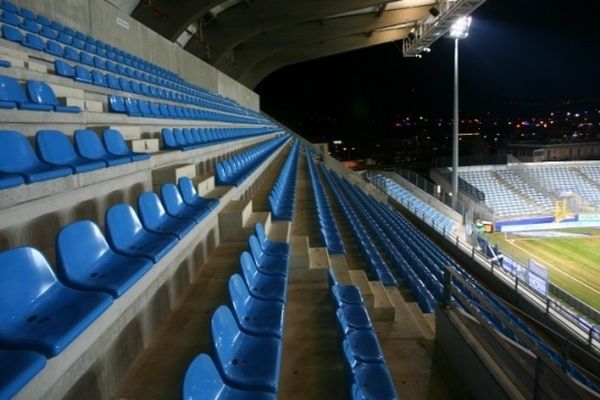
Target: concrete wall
x=104, y=21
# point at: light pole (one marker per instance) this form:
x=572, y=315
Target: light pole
x=459, y=30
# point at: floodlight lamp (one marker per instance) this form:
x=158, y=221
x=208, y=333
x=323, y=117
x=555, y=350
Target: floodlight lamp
x=460, y=29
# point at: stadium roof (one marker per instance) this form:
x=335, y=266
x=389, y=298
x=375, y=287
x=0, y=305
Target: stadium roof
x=249, y=39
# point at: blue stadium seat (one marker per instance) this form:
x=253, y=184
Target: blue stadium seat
x=261, y=286
x=246, y=361
x=18, y=157
x=10, y=180
x=11, y=95
x=255, y=317
x=49, y=33
x=271, y=247
x=83, y=75
x=12, y=34
x=353, y=317
x=9, y=6
x=86, y=262
x=9, y=17
x=86, y=58
x=176, y=207
x=89, y=145
x=362, y=346
x=5, y=64
x=55, y=148
x=41, y=93
x=127, y=236
x=346, y=294
x=155, y=218
x=131, y=106
x=98, y=78
x=71, y=53
x=31, y=26
x=18, y=368
x=63, y=68
x=115, y=144
x=373, y=381
x=203, y=381
x=43, y=20
x=34, y=42
x=57, y=25
x=267, y=264
x=27, y=13
x=190, y=195
x=64, y=38
x=37, y=312
x=116, y=103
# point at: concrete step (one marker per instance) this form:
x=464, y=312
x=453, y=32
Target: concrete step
x=204, y=183
x=280, y=231
x=340, y=268
x=421, y=321
x=299, y=257
x=232, y=220
x=171, y=174
x=383, y=308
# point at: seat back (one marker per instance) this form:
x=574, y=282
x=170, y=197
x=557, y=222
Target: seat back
x=114, y=142
x=88, y=144
x=16, y=153
x=187, y=189
x=248, y=268
x=122, y=225
x=25, y=276
x=41, y=93
x=238, y=294
x=10, y=90
x=78, y=246
x=202, y=380
x=224, y=330
x=168, y=138
x=54, y=147
x=171, y=198
x=150, y=209
x=259, y=231
x=63, y=68
x=256, y=250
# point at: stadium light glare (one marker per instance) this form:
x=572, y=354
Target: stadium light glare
x=460, y=29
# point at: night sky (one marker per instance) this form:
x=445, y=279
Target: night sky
x=520, y=54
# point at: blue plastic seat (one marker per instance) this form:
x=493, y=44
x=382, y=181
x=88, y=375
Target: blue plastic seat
x=353, y=317
x=11, y=95
x=5, y=64
x=10, y=180
x=83, y=75
x=127, y=236
x=115, y=144
x=18, y=368
x=86, y=262
x=346, y=294
x=43, y=20
x=86, y=58
x=271, y=247
x=89, y=145
x=64, y=38
x=37, y=312
x=34, y=42
x=270, y=265
x=116, y=103
x=63, y=68
x=246, y=361
x=203, y=381
x=155, y=218
x=49, y=33
x=175, y=205
x=31, y=26
x=255, y=316
x=41, y=93
x=27, y=13
x=9, y=6
x=373, y=381
x=362, y=346
x=190, y=195
x=261, y=286
x=9, y=17
x=55, y=148
x=18, y=157
x=99, y=79
x=71, y=53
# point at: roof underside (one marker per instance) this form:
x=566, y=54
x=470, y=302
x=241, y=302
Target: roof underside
x=249, y=39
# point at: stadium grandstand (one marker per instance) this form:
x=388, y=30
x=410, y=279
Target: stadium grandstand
x=161, y=237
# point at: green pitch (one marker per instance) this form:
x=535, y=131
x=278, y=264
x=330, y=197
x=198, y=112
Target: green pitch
x=573, y=263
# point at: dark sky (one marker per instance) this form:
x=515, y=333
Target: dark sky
x=518, y=51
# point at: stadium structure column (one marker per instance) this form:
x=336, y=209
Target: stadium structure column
x=455, y=130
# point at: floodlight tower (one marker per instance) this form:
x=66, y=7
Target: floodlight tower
x=459, y=30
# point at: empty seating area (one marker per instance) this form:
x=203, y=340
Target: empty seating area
x=411, y=202
x=193, y=138
x=282, y=197
x=566, y=179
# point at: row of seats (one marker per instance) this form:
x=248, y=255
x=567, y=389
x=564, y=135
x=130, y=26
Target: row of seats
x=34, y=24
x=329, y=230
x=283, y=195
x=355, y=216
x=38, y=97
x=367, y=373
x=235, y=170
x=422, y=264
x=193, y=138
x=55, y=156
x=142, y=108
x=463, y=186
x=247, y=335
x=413, y=203
x=43, y=311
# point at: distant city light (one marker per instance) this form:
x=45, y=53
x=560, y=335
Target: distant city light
x=337, y=142
x=460, y=29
